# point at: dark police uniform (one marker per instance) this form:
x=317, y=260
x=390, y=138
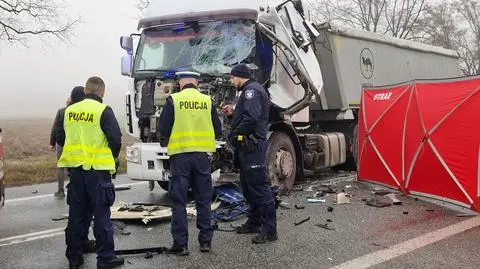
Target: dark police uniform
x=190, y=122
x=250, y=118
x=91, y=139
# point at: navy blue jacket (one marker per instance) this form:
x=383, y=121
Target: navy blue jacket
x=167, y=117
x=108, y=123
x=251, y=111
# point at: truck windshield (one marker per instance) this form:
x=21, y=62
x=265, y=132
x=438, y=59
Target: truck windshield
x=208, y=48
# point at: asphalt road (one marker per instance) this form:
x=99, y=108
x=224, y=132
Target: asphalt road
x=415, y=234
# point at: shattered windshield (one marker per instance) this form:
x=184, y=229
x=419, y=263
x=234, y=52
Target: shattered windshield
x=209, y=47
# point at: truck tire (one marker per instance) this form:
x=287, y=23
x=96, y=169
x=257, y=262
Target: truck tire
x=281, y=162
x=163, y=185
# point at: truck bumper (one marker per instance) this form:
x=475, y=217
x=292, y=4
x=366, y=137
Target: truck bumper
x=145, y=161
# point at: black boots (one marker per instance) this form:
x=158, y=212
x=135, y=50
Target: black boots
x=263, y=238
x=179, y=251
x=112, y=263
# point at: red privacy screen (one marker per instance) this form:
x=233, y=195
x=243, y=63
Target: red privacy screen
x=423, y=137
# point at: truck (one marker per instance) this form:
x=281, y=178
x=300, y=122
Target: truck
x=313, y=74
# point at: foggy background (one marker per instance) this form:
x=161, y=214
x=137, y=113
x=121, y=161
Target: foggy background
x=37, y=80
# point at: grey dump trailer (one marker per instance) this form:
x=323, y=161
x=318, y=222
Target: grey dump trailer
x=351, y=59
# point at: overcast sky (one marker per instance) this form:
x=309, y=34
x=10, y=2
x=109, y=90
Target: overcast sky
x=36, y=81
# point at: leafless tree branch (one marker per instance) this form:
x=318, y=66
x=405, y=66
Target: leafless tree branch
x=22, y=19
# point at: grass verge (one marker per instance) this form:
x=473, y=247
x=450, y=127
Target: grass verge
x=39, y=169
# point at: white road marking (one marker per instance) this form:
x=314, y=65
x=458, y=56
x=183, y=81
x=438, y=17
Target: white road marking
x=31, y=236
x=51, y=195
x=380, y=256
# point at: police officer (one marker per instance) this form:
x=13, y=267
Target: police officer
x=249, y=139
x=76, y=96
x=91, y=141
x=190, y=122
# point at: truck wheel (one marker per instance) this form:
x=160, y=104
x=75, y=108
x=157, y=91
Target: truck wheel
x=281, y=162
x=163, y=185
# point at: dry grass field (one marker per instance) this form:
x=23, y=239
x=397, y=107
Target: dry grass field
x=28, y=156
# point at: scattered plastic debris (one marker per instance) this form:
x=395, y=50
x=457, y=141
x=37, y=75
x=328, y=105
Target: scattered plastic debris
x=310, y=200
x=393, y=197
x=379, y=201
x=285, y=205
x=342, y=198
x=35, y=191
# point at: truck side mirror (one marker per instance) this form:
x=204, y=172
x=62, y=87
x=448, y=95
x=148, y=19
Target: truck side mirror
x=127, y=64
x=126, y=42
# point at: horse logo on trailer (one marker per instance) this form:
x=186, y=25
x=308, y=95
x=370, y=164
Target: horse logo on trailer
x=367, y=64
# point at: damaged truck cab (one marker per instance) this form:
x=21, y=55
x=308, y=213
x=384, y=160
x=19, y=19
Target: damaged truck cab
x=314, y=93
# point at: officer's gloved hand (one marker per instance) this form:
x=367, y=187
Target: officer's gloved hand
x=117, y=165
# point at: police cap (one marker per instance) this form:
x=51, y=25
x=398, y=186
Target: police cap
x=187, y=74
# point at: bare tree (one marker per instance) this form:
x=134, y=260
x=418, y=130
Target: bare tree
x=363, y=14
x=142, y=4
x=397, y=18
x=21, y=19
x=439, y=27
x=402, y=16
x=470, y=12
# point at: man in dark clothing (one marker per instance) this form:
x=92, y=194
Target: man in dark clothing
x=190, y=122
x=76, y=96
x=249, y=139
x=91, y=140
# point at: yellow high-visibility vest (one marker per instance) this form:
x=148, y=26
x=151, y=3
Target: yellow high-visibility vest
x=85, y=143
x=192, y=127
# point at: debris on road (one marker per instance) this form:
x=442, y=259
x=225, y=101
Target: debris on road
x=342, y=199
x=379, y=201
x=330, y=209
x=123, y=211
x=325, y=226
x=148, y=255
x=299, y=206
x=302, y=221
x=393, y=197
x=285, y=205
x=311, y=200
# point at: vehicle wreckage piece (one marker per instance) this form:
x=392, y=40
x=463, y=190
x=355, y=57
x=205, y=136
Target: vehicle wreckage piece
x=158, y=250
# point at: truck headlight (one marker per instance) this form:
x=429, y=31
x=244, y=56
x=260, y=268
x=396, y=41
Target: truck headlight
x=133, y=155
